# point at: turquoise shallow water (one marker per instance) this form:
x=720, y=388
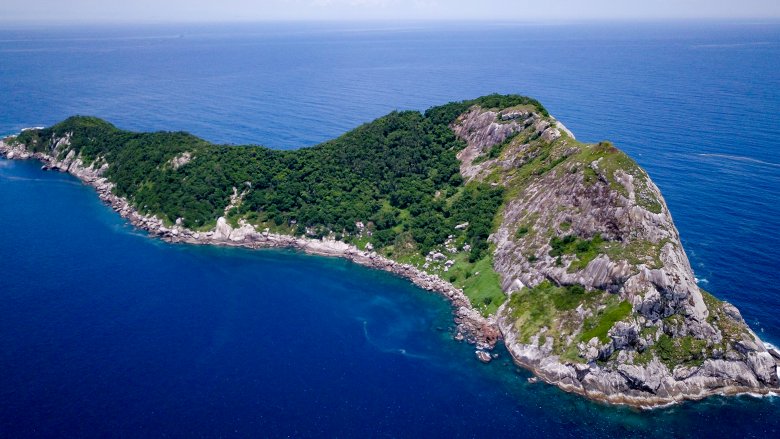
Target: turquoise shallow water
x=104, y=332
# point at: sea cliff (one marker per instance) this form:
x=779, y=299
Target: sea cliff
x=590, y=287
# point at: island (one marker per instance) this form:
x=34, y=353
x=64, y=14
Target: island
x=563, y=250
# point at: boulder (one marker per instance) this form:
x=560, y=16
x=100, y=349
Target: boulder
x=483, y=356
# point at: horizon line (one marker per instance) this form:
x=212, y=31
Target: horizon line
x=529, y=21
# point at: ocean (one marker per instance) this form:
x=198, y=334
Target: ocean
x=107, y=333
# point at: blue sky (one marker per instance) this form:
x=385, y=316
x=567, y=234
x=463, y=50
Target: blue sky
x=262, y=10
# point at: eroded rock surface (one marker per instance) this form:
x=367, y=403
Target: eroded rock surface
x=667, y=343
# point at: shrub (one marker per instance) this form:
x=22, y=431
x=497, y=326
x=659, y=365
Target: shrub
x=522, y=231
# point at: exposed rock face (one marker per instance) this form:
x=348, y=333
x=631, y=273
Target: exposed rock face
x=481, y=131
x=555, y=199
x=181, y=160
x=596, y=194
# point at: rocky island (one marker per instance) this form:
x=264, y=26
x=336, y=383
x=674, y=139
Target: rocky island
x=564, y=250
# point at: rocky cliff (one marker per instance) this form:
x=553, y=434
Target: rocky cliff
x=598, y=295
x=602, y=298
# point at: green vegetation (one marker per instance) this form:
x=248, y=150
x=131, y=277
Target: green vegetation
x=445, y=114
x=688, y=350
x=685, y=350
x=599, y=325
x=478, y=280
x=554, y=307
x=636, y=252
x=590, y=176
x=542, y=306
x=483, y=287
x=612, y=160
x=731, y=329
x=397, y=175
x=496, y=150
x=477, y=204
x=542, y=160
x=586, y=250
x=647, y=355
x=522, y=231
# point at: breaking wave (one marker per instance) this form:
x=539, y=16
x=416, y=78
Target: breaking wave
x=739, y=158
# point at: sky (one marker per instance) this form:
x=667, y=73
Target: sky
x=357, y=10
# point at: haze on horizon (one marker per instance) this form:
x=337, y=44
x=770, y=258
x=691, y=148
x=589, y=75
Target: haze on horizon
x=356, y=10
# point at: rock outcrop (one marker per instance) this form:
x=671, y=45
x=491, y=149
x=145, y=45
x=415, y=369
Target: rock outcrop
x=181, y=160
x=615, y=238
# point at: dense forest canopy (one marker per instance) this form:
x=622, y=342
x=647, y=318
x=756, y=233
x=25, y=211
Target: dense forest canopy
x=397, y=175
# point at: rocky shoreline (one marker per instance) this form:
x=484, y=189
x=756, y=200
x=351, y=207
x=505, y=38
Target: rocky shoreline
x=597, y=385
x=650, y=273
x=472, y=327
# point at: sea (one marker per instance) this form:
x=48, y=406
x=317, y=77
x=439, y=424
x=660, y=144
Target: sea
x=105, y=332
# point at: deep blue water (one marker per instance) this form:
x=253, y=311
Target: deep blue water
x=104, y=332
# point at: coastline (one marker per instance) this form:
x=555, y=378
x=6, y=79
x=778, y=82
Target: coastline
x=472, y=327
x=483, y=332
x=536, y=362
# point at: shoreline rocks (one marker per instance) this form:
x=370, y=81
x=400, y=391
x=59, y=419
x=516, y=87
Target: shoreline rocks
x=483, y=356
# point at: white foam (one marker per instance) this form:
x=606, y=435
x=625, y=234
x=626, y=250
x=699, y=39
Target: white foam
x=660, y=406
x=733, y=45
x=761, y=395
x=740, y=158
